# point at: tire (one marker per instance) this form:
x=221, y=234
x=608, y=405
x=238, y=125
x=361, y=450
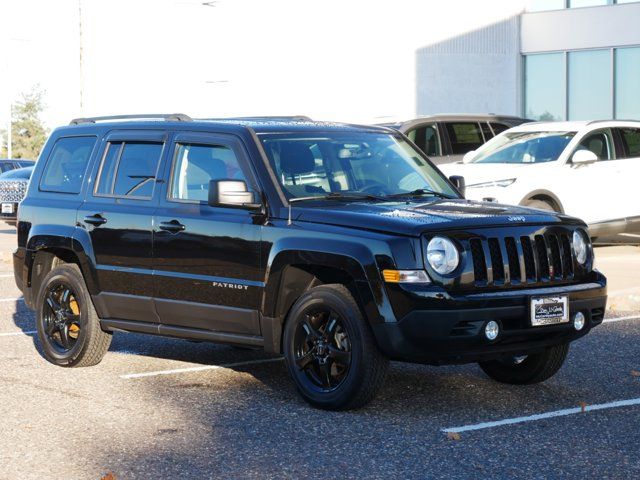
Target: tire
x=326, y=324
x=86, y=343
x=534, y=368
x=540, y=205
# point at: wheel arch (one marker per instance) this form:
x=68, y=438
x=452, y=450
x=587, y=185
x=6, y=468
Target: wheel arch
x=294, y=269
x=545, y=196
x=47, y=248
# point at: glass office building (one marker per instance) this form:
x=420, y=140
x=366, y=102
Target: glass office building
x=558, y=60
x=594, y=80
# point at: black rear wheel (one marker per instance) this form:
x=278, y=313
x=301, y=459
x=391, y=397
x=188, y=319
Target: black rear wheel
x=527, y=369
x=330, y=350
x=67, y=323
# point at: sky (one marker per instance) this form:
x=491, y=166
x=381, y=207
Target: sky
x=344, y=60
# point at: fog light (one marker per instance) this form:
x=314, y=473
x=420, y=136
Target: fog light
x=578, y=321
x=491, y=330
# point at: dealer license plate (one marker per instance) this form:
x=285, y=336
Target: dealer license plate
x=7, y=208
x=549, y=310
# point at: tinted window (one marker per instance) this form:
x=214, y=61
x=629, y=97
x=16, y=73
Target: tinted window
x=7, y=166
x=498, y=128
x=129, y=169
x=631, y=141
x=426, y=138
x=67, y=164
x=627, y=75
x=196, y=165
x=545, y=86
x=464, y=137
x=599, y=143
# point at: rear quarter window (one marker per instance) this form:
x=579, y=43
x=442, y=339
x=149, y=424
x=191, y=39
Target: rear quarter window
x=631, y=139
x=67, y=164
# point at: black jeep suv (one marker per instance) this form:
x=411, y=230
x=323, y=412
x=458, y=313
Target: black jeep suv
x=339, y=246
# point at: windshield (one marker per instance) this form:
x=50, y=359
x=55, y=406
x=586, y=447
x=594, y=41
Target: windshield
x=320, y=164
x=523, y=147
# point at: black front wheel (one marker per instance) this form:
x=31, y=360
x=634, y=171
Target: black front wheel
x=330, y=350
x=527, y=369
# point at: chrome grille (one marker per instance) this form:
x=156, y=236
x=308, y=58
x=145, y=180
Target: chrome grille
x=13, y=190
x=529, y=259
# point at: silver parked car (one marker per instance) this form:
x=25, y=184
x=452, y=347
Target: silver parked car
x=446, y=138
x=13, y=188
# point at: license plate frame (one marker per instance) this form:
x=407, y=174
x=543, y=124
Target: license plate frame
x=7, y=208
x=549, y=310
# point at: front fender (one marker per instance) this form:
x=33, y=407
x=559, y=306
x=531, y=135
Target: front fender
x=355, y=259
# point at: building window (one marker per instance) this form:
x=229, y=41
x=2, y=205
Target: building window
x=590, y=90
x=545, y=86
x=627, y=75
x=542, y=5
x=588, y=3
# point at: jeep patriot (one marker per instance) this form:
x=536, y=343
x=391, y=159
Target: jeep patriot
x=339, y=246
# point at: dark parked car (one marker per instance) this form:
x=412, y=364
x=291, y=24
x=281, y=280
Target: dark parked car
x=7, y=164
x=13, y=188
x=339, y=246
x=446, y=138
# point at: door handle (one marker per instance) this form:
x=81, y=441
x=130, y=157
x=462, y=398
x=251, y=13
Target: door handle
x=95, y=219
x=173, y=226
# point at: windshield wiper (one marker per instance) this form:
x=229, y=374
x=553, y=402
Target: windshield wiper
x=418, y=193
x=335, y=196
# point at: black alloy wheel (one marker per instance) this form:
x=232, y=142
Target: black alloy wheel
x=68, y=326
x=61, y=316
x=331, y=353
x=322, y=349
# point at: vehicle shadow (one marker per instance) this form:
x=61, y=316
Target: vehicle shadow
x=258, y=426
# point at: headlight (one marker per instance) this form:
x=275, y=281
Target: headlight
x=580, y=247
x=494, y=183
x=442, y=255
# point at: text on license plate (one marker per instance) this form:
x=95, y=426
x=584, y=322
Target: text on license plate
x=549, y=310
x=7, y=208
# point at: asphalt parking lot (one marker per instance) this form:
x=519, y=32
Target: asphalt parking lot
x=163, y=408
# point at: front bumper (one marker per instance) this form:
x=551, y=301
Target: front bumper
x=444, y=328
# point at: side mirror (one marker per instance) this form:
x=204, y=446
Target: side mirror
x=231, y=194
x=468, y=156
x=584, y=156
x=459, y=183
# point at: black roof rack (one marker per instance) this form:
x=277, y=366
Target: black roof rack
x=293, y=118
x=170, y=117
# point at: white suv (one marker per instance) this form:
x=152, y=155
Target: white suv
x=587, y=169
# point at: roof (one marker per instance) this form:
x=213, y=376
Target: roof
x=574, y=126
x=257, y=124
x=443, y=117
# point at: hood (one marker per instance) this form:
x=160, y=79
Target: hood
x=487, y=172
x=415, y=218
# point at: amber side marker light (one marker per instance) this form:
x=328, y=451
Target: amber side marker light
x=405, y=276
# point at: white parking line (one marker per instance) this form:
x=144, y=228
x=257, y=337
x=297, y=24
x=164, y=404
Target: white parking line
x=543, y=416
x=10, y=334
x=199, y=369
x=17, y=299
x=620, y=319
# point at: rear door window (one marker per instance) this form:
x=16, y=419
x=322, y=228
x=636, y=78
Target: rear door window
x=427, y=139
x=498, y=128
x=464, y=136
x=67, y=164
x=630, y=142
x=129, y=169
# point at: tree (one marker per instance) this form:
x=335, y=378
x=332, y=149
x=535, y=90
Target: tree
x=28, y=133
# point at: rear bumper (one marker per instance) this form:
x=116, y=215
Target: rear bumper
x=455, y=333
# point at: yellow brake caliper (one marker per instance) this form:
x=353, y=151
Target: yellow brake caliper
x=74, y=328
